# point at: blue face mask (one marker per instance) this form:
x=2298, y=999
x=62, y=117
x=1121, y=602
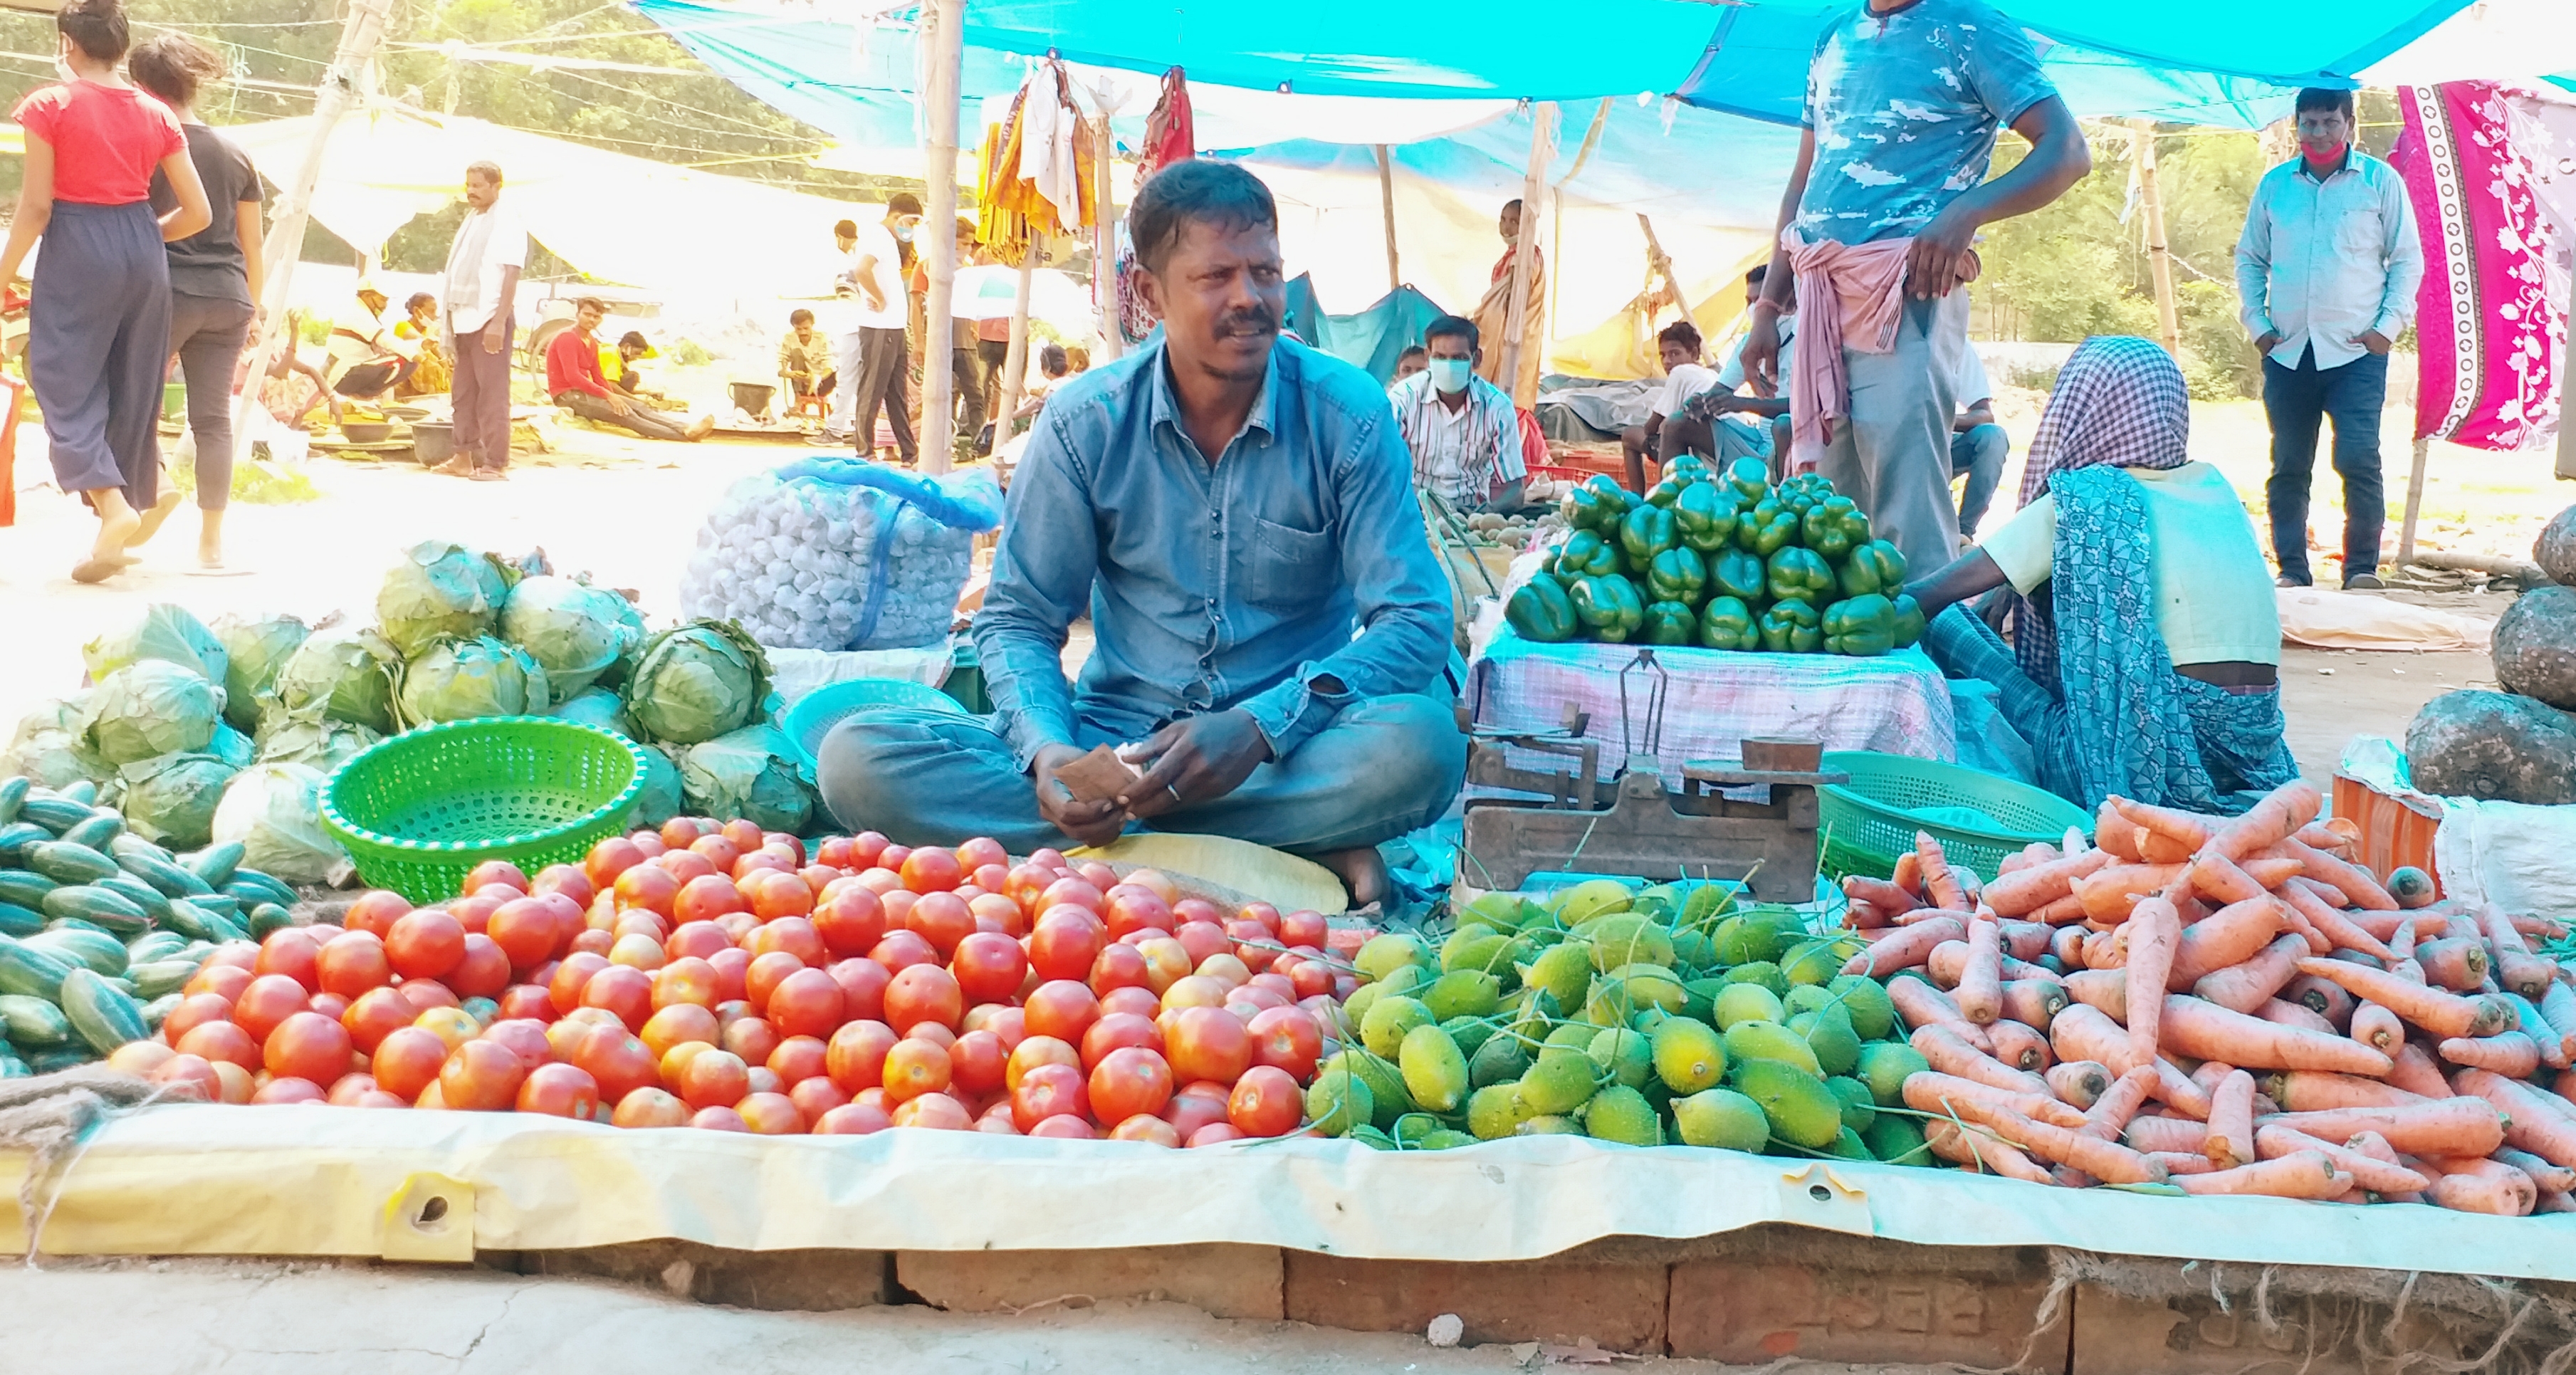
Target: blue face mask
x=903, y=232
x=1450, y=374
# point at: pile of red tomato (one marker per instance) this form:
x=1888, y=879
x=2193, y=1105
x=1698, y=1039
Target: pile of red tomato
x=721, y=978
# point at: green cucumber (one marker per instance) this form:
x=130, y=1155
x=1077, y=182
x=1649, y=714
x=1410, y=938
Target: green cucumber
x=65, y=862
x=18, y=921
x=155, y=945
x=98, y=950
x=13, y=795
x=226, y=928
x=56, y=814
x=29, y=972
x=83, y=791
x=161, y=977
x=188, y=919
x=254, y=887
x=101, y=906
x=25, y=888
x=165, y=877
x=34, y=1021
x=11, y=1067
x=155, y=906
x=56, y=1059
x=104, y=1016
x=102, y=827
x=76, y=924
x=157, y=1011
x=267, y=919
x=16, y=836
x=216, y=863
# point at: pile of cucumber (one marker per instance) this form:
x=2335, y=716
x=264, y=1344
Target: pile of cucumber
x=100, y=928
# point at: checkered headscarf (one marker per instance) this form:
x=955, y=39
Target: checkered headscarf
x=2119, y=400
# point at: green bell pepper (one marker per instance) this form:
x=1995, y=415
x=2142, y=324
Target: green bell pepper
x=1609, y=607
x=1793, y=627
x=1751, y=478
x=1669, y=623
x=1909, y=620
x=1739, y=573
x=1727, y=623
x=1646, y=532
x=1767, y=528
x=1834, y=527
x=1589, y=554
x=1862, y=626
x=1678, y=575
x=1539, y=610
x=1685, y=469
x=1873, y=567
x=1663, y=494
x=1598, y=504
x=1799, y=574
x=1707, y=514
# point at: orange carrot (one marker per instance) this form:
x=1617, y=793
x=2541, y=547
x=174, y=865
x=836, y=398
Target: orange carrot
x=1950, y=1053
x=2378, y=1176
x=2107, y=989
x=2062, y=912
x=2273, y=820
x=2320, y=836
x=2118, y=1104
x=2027, y=890
x=2328, y=1000
x=2279, y=1013
x=2332, y=922
x=2296, y=923
x=1950, y=961
x=2553, y=1203
x=2401, y=946
x=2107, y=1161
x=2377, y=1028
x=1935, y=1091
x=1863, y=916
x=2166, y=1134
x=2247, y=985
x=1919, y=1004
x=2540, y=927
x=2084, y=1032
x=2534, y=1126
x=2081, y=1083
x=2510, y=1054
x=2024, y=940
x=2301, y=1090
x=2481, y=1186
x=2176, y=1162
x=2177, y=1091
x=2117, y=835
x=2552, y=1177
x=2210, y=1073
x=1907, y=948
x=2037, y=852
x=2216, y=877
x=2516, y=967
x=2020, y=1047
x=2067, y=945
x=2154, y=935
x=2209, y=1032
x=2187, y=829
x=2454, y=962
x=2415, y=1071
x=1879, y=893
x=2231, y=1121
x=2356, y=885
x=2436, y=1011
x=2033, y=1002
x=1908, y=874
x=2107, y=949
x=2231, y=936
x=1982, y=1151
x=1920, y=915
x=2300, y=1174
x=2465, y=1126
x=2271, y=873
x=2558, y=1009
x=2161, y=849
x=2107, y=893
x=1939, y=884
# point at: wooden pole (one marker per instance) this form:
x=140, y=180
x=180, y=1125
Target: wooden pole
x=1386, y=199
x=2414, y=503
x=938, y=234
x=1104, y=247
x=1542, y=149
x=2142, y=134
x=1015, y=362
x=360, y=36
x=2566, y=425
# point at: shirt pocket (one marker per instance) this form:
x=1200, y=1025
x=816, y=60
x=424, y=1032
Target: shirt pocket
x=2359, y=237
x=1283, y=568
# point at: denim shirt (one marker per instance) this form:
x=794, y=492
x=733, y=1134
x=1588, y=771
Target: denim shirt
x=2323, y=262
x=1211, y=588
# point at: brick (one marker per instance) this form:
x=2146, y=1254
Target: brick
x=1749, y=1311
x=1620, y=1306
x=2192, y=1335
x=1225, y=1281
x=779, y=1281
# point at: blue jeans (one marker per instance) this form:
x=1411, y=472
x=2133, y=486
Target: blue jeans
x=1979, y=453
x=1375, y=772
x=2298, y=400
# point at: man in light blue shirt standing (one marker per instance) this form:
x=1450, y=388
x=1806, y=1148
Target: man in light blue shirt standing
x=1235, y=511
x=2327, y=268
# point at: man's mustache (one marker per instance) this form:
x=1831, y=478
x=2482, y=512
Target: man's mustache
x=1256, y=321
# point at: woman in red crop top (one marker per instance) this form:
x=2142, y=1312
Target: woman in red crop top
x=99, y=326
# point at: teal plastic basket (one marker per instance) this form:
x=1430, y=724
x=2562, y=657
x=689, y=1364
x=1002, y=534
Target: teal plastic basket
x=815, y=713
x=419, y=811
x=1871, y=820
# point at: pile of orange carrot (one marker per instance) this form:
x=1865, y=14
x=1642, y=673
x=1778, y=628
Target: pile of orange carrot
x=2227, y=1005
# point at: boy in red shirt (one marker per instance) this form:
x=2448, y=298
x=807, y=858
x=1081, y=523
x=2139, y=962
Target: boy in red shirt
x=574, y=380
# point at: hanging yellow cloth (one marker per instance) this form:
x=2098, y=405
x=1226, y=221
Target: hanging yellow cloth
x=1029, y=150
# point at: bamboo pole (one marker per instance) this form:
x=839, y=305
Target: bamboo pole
x=1386, y=199
x=360, y=35
x=1104, y=246
x=2414, y=502
x=938, y=235
x=1542, y=148
x=2566, y=426
x=1015, y=362
x=2142, y=134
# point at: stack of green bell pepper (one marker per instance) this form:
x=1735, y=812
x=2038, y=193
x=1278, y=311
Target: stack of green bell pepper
x=1539, y=610
x=1799, y=574
x=1860, y=626
x=1609, y=607
x=1727, y=623
x=1766, y=529
x=1706, y=513
x=1792, y=627
x=1589, y=554
x=1598, y=505
x=1678, y=575
x=1873, y=567
x=1646, y=532
x=1834, y=527
x=1669, y=623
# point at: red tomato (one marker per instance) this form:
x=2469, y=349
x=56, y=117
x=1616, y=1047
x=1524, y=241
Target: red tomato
x=923, y=993
x=1202, y=939
x=989, y=967
x=695, y=940
x=685, y=980
x=863, y=985
x=715, y=1078
x=851, y=1119
x=678, y=1025
x=1312, y=978
x=528, y=1000
x=679, y=831
x=893, y=856
x=1266, y=1102
x=755, y=1039
x=293, y=953
x=1209, y=1043
x=1064, y=1126
x=1166, y=962
x=1046, y=1091
x=806, y=1003
x=1119, y=966
x=481, y=1076
x=799, y=1058
x=595, y=941
x=475, y=913
x=526, y=930
x=1226, y=969
x=934, y=1111
x=718, y=1119
x=1193, y=1109
x=1070, y=892
x=571, y=976
x=222, y=1043
x=770, y=1114
x=345, y=1090
x=1129, y=1081
x=225, y=981
x=571, y=881
x=851, y=920
x=982, y=850
x=1065, y=942
x=931, y=870
x=733, y=969
x=1149, y=1129
x=941, y=918
x=856, y=1055
x=797, y=937
x=330, y=1005
x=978, y=1063
x=1253, y=944
x=1195, y=991
x=1186, y=910
x=915, y=1067
x=1061, y=1008
x=1214, y=1133
x=1303, y=928
x=619, y=1062
x=560, y=1091
x=649, y=886
x=865, y=848
x=375, y=912
x=282, y=1091
x=1009, y=1023
x=307, y=1045
x=426, y=944
x=189, y=1076
x=270, y=999
x=880, y=881
x=1276, y=983
x=1133, y=907
x=1023, y=884
x=425, y=994
x=1117, y=1031
x=900, y=950
x=760, y=981
x=719, y=851
x=626, y=991
x=609, y=858
x=353, y=964
x=835, y=852
x=684, y=865
x=484, y=970
x=239, y=954
x=816, y=1096
x=649, y=1107
x=705, y=898
x=197, y=1009
x=1034, y=1051
x=376, y=1014
x=780, y=894
x=1140, y=1002
x=994, y=912
x=1287, y=1039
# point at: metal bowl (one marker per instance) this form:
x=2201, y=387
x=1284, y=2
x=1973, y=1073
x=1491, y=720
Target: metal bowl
x=366, y=431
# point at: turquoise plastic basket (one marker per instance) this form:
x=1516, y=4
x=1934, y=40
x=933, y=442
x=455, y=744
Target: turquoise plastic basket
x=815, y=713
x=1871, y=820
x=419, y=811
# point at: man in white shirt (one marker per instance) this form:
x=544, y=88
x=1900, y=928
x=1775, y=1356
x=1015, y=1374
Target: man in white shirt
x=483, y=268
x=365, y=357
x=1978, y=446
x=879, y=311
x=2327, y=268
x=1463, y=431
x=1745, y=416
x=1677, y=346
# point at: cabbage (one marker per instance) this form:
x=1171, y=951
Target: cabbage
x=275, y=812
x=170, y=801
x=749, y=773
x=313, y=740
x=660, y=799
x=459, y=680
x=598, y=707
x=165, y=632
x=151, y=707
x=256, y=649
x=47, y=747
x=574, y=630
x=439, y=589
x=696, y=682
x=632, y=617
x=346, y=675
x=232, y=747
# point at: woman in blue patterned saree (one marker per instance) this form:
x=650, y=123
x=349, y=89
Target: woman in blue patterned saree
x=2146, y=643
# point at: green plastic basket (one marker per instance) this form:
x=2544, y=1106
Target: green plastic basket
x=419, y=811
x=1871, y=820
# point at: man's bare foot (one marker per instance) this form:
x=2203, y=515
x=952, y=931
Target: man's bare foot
x=1362, y=872
x=116, y=529
x=152, y=519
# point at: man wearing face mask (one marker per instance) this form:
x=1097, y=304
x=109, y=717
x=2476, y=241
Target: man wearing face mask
x=1236, y=513
x=878, y=310
x=1463, y=432
x=2327, y=267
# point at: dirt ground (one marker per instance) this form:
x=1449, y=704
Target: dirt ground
x=288, y=1318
